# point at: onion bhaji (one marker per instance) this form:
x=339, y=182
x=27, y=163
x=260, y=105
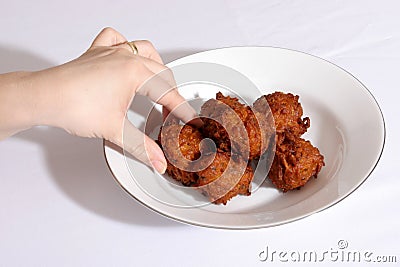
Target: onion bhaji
x=189, y=147
x=296, y=160
x=226, y=116
x=220, y=182
x=287, y=113
x=219, y=186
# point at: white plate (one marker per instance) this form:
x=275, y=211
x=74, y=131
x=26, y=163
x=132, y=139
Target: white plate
x=346, y=125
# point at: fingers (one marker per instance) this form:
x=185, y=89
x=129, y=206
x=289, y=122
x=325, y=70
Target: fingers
x=162, y=92
x=171, y=119
x=179, y=107
x=159, y=69
x=108, y=37
x=141, y=147
x=162, y=89
x=146, y=49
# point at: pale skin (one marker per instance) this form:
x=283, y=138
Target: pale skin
x=90, y=95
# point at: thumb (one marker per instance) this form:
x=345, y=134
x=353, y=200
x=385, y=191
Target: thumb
x=142, y=147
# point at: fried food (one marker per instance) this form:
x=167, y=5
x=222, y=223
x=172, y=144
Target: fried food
x=233, y=125
x=287, y=113
x=296, y=161
x=241, y=135
x=225, y=178
x=220, y=180
x=180, y=155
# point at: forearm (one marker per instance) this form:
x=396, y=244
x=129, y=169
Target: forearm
x=17, y=103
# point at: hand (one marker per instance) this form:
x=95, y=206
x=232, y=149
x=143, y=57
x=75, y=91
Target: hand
x=90, y=95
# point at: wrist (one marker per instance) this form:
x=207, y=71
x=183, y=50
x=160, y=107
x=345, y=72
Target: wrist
x=15, y=103
x=46, y=93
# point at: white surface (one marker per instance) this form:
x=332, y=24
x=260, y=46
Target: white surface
x=339, y=133
x=59, y=203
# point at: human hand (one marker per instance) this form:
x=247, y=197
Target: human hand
x=90, y=95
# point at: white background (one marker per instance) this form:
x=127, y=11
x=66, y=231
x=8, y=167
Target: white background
x=59, y=204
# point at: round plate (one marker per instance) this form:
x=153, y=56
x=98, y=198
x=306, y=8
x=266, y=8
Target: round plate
x=346, y=125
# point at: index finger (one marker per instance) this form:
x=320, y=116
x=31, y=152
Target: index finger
x=162, y=89
x=173, y=102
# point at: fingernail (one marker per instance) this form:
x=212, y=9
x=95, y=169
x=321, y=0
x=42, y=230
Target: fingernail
x=159, y=166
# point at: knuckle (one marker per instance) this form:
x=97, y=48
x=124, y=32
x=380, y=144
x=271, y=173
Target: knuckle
x=136, y=66
x=134, y=70
x=148, y=44
x=108, y=30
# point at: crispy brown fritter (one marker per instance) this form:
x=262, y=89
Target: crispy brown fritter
x=179, y=167
x=296, y=161
x=226, y=116
x=225, y=184
x=287, y=113
x=220, y=183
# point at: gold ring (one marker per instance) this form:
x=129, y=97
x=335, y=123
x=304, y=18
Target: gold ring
x=133, y=47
